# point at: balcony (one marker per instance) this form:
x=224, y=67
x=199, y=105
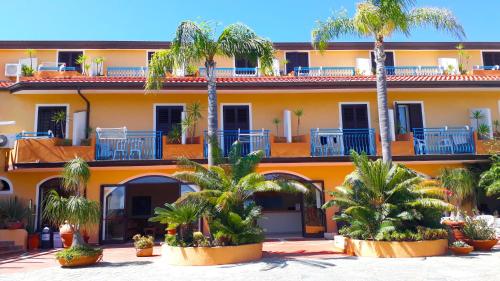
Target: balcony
x=233, y=72
x=324, y=71
x=439, y=141
x=116, y=144
x=414, y=70
x=251, y=140
x=337, y=142
x=127, y=71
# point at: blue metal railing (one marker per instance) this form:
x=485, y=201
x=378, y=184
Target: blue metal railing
x=34, y=135
x=137, y=145
x=487, y=67
x=232, y=72
x=127, y=71
x=251, y=140
x=443, y=141
x=332, y=142
x=414, y=70
x=324, y=71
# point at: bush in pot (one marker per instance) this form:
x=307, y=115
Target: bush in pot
x=461, y=248
x=14, y=212
x=79, y=213
x=481, y=236
x=143, y=245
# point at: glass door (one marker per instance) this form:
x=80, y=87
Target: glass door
x=114, y=215
x=313, y=215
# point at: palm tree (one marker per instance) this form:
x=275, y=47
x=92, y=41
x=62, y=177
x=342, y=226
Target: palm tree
x=462, y=186
x=298, y=113
x=490, y=179
x=78, y=211
x=60, y=119
x=196, y=42
x=379, y=19
x=379, y=197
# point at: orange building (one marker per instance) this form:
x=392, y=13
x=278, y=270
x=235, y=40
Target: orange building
x=130, y=139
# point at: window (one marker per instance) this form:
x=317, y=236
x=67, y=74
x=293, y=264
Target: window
x=389, y=61
x=243, y=62
x=5, y=186
x=296, y=59
x=69, y=58
x=168, y=118
x=150, y=56
x=408, y=117
x=52, y=118
x=491, y=58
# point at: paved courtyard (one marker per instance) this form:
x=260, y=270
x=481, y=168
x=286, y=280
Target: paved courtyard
x=289, y=260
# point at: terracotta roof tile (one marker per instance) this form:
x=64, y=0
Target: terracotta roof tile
x=5, y=84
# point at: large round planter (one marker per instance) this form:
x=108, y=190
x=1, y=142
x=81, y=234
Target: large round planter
x=144, y=252
x=211, y=255
x=80, y=261
x=385, y=249
x=483, y=245
x=461, y=250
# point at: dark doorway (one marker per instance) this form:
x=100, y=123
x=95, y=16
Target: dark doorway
x=245, y=65
x=69, y=58
x=169, y=118
x=126, y=208
x=355, y=127
x=491, y=58
x=43, y=192
x=408, y=117
x=235, y=118
x=389, y=61
x=296, y=59
x=46, y=120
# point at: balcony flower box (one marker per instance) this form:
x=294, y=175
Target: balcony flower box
x=300, y=148
x=404, y=145
x=481, y=72
x=193, y=149
x=49, y=150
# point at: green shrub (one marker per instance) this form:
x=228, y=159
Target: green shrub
x=143, y=242
x=79, y=251
x=478, y=229
x=460, y=244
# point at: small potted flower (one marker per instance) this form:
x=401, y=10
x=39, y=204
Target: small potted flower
x=143, y=245
x=461, y=248
x=481, y=236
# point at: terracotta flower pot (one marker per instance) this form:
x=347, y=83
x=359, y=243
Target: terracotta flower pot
x=34, y=241
x=461, y=250
x=456, y=228
x=172, y=231
x=483, y=245
x=144, y=252
x=15, y=225
x=80, y=261
x=66, y=233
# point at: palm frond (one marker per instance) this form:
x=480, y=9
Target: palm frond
x=203, y=180
x=431, y=203
x=76, y=174
x=161, y=62
x=439, y=19
x=334, y=27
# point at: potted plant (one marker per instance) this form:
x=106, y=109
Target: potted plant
x=189, y=124
x=175, y=135
x=483, y=132
x=82, y=61
x=14, y=213
x=33, y=235
x=298, y=138
x=402, y=134
x=461, y=248
x=143, y=245
x=60, y=119
x=481, y=236
x=99, y=64
x=79, y=212
x=277, y=138
x=463, y=59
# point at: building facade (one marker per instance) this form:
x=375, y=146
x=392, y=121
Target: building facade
x=131, y=139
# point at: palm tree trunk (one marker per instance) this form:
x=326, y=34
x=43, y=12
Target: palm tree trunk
x=212, y=112
x=77, y=239
x=383, y=110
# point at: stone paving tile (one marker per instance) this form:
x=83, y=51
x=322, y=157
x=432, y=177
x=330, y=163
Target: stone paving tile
x=121, y=264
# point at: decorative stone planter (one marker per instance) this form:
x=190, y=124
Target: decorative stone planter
x=293, y=149
x=461, y=250
x=483, y=245
x=80, y=261
x=192, y=150
x=385, y=249
x=211, y=255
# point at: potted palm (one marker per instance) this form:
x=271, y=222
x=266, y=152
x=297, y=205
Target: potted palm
x=298, y=137
x=78, y=211
x=193, y=147
x=461, y=248
x=390, y=211
x=480, y=235
x=143, y=245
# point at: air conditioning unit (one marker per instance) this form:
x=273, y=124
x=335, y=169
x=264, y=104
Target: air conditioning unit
x=12, y=69
x=7, y=140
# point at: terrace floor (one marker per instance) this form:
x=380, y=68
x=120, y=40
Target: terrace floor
x=283, y=260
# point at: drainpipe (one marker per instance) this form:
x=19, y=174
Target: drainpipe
x=87, y=117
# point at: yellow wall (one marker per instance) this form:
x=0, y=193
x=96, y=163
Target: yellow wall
x=13, y=56
x=430, y=58
x=321, y=110
x=120, y=58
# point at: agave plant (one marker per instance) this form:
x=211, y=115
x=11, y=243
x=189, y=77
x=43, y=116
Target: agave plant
x=378, y=198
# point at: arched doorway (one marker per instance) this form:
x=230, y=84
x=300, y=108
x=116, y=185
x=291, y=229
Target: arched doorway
x=127, y=207
x=43, y=191
x=292, y=214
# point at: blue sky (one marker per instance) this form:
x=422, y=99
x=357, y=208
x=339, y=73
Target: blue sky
x=279, y=20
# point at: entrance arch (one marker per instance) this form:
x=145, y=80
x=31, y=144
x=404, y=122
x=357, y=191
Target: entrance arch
x=128, y=206
x=43, y=188
x=292, y=214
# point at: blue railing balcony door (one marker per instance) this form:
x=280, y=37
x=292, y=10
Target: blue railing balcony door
x=232, y=72
x=114, y=71
x=337, y=142
x=133, y=145
x=324, y=71
x=251, y=140
x=443, y=141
